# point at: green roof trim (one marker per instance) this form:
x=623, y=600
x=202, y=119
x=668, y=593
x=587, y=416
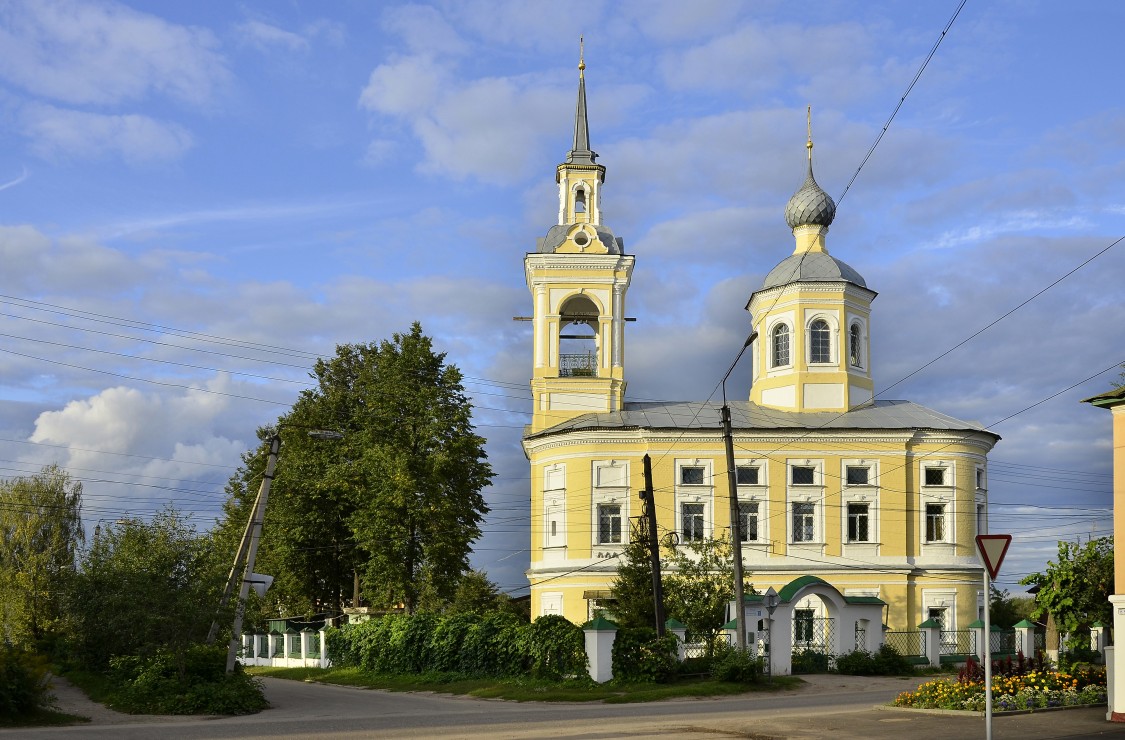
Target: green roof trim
x=600, y=624
x=977, y=625
x=790, y=589
x=673, y=624
x=731, y=625
x=929, y=624
x=1097, y=624
x=1109, y=399
x=1024, y=624
x=752, y=598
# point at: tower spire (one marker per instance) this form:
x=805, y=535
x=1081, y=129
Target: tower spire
x=580, y=153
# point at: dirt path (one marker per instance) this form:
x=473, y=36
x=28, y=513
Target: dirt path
x=70, y=699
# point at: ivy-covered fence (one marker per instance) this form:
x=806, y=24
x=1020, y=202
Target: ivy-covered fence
x=496, y=644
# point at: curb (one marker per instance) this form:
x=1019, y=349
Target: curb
x=973, y=713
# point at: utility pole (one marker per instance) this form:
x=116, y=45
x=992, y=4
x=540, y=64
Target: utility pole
x=732, y=488
x=255, y=528
x=735, y=536
x=653, y=547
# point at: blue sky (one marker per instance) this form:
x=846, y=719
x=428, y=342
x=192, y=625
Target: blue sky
x=285, y=176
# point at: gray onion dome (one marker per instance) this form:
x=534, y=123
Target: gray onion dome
x=810, y=206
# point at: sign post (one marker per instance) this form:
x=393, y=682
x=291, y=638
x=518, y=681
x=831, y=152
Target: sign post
x=992, y=548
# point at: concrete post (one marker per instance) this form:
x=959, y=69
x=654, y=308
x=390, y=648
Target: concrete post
x=1097, y=638
x=680, y=631
x=932, y=631
x=324, y=662
x=600, y=634
x=1025, y=639
x=978, y=631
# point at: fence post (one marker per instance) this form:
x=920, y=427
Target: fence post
x=1025, y=638
x=1097, y=639
x=932, y=630
x=600, y=634
x=323, y=663
x=979, y=637
x=680, y=631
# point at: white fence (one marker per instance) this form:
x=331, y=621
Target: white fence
x=305, y=649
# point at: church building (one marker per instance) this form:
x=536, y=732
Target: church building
x=878, y=498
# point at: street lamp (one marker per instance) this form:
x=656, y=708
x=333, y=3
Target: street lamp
x=769, y=600
x=732, y=487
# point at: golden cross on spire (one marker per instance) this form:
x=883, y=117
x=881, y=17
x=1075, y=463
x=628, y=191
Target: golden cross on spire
x=808, y=118
x=581, y=56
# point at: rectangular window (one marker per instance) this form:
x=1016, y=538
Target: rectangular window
x=803, y=475
x=803, y=522
x=858, y=475
x=746, y=475
x=982, y=519
x=609, y=524
x=937, y=613
x=980, y=478
x=935, y=476
x=748, y=521
x=858, y=523
x=692, y=475
x=692, y=517
x=935, y=522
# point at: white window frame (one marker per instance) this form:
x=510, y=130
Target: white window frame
x=756, y=493
x=927, y=516
x=805, y=493
x=620, y=515
x=554, y=506
x=869, y=521
x=695, y=493
x=812, y=520
x=609, y=487
x=770, y=354
x=753, y=509
x=864, y=343
x=833, y=339
x=704, y=521
x=946, y=599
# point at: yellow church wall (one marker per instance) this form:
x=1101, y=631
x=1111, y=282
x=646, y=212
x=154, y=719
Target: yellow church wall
x=898, y=567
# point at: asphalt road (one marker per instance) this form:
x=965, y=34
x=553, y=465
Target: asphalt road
x=829, y=707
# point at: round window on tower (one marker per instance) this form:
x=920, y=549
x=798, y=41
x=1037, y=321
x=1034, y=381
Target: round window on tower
x=581, y=239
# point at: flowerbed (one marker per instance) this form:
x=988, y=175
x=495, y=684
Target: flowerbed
x=1032, y=690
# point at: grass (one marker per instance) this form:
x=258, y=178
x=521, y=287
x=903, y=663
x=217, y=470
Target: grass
x=525, y=689
x=42, y=718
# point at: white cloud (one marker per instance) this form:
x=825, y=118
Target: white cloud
x=263, y=36
x=423, y=30
x=57, y=133
x=105, y=53
x=408, y=86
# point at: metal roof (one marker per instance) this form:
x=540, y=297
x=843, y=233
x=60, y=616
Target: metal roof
x=812, y=267
x=683, y=415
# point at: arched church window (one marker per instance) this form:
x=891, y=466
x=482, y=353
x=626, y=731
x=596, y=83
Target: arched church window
x=578, y=338
x=580, y=201
x=820, y=342
x=780, y=345
x=855, y=346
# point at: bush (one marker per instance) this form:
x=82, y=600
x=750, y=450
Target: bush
x=736, y=666
x=193, y=683
x=885, y=662
x=639, y=655
x=496, y=644
x=810, y=661
x=24, y=682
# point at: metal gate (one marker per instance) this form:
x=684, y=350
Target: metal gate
x=813, y=643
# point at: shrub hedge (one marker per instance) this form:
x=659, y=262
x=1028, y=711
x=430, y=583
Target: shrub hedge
x=24, y=682
x=639, y=655
x=194, y=683
x=493, y=644
x=886, y=661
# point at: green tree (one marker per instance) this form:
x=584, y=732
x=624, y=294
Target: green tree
x=1075, y=589
x=632, y=588
x=41, y=531
x=1004, y=610
x=396, y=503
x=698, y=586
x=145, y=588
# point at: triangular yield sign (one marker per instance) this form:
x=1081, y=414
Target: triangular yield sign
x=993, y=548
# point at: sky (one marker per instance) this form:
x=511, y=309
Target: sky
x=199, y=199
